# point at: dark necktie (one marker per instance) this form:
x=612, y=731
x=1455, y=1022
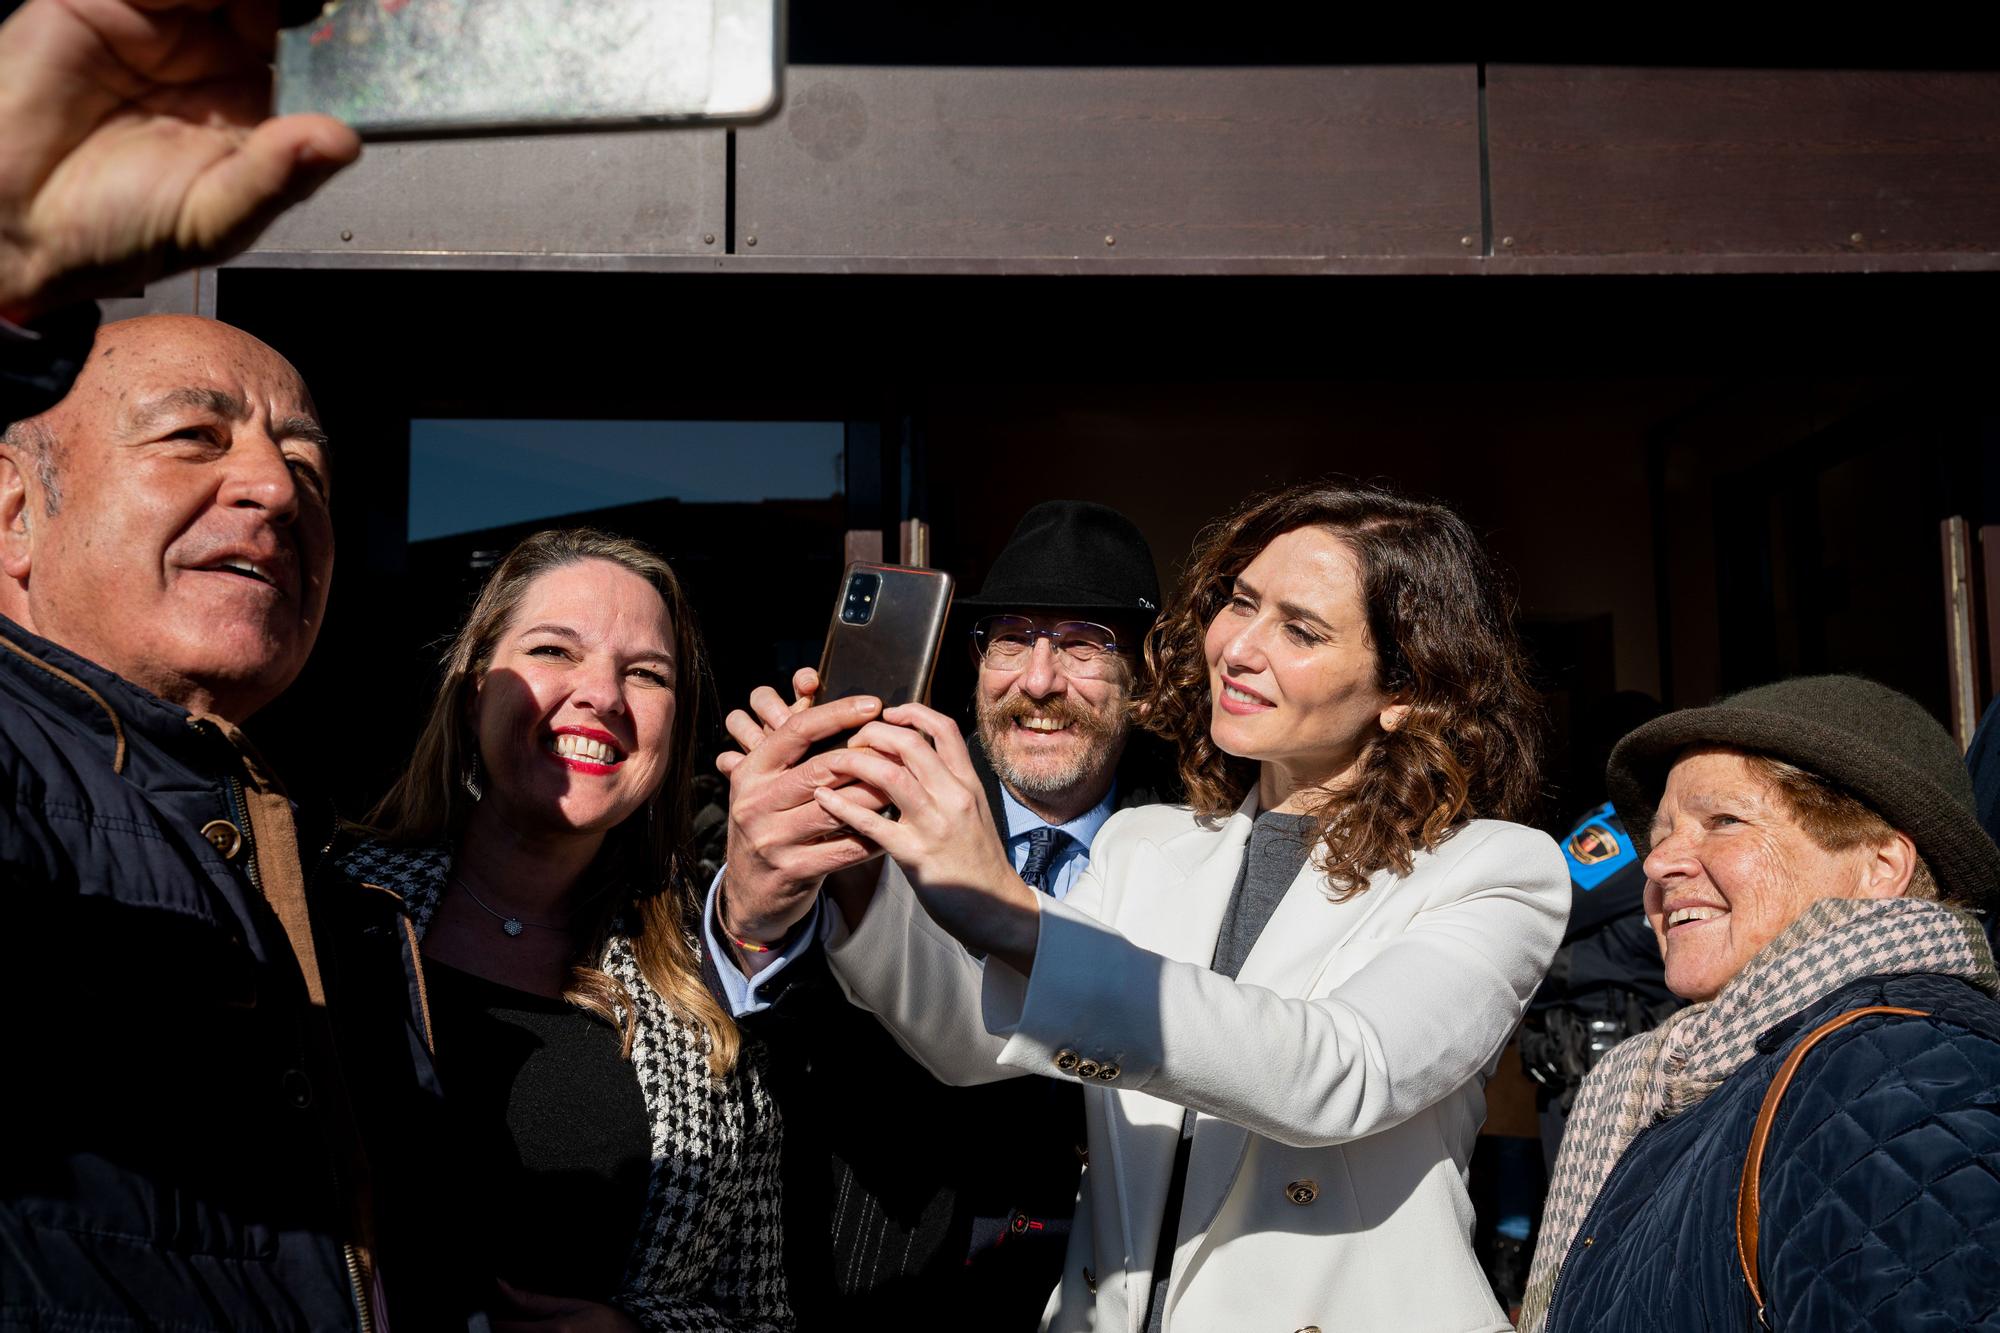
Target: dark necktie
x=1045, y=844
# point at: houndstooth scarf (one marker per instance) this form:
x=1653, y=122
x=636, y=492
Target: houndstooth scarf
x=1659, y=1074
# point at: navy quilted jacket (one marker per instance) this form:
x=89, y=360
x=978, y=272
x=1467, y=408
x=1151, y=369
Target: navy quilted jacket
x=1881, y=1185
x=181, y=1153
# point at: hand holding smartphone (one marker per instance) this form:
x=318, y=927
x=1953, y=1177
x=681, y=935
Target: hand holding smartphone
x=888, y=623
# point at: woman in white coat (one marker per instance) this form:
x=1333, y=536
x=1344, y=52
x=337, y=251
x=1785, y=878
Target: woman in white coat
x=1284, y=998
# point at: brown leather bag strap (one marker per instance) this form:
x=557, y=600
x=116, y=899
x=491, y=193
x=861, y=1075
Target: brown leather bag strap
x=1760, y=1133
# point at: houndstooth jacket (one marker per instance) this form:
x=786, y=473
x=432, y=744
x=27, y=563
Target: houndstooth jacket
x=709, y=1251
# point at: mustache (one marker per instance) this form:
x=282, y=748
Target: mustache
x=1058, y=709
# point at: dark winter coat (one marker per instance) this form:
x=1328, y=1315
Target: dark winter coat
x=1881, y=1184
x=184, y=1150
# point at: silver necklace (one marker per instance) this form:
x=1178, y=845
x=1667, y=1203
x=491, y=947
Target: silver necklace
x=510, y=924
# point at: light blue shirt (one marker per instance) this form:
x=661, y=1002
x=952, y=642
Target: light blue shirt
x=746, y=994
x=1075, y=855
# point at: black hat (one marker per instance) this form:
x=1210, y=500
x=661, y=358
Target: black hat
x=1882, y=747
x=1071, y=555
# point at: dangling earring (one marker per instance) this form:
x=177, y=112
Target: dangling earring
x=470, y=778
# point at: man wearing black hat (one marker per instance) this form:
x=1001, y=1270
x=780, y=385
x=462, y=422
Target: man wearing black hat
x=908, y=1202
x=1056, y=632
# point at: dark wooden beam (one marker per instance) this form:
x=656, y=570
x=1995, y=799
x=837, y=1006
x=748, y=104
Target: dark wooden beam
x=1114, y=166
x=1791, y=168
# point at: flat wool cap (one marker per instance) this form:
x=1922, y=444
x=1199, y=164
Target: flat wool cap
x=1880, y=746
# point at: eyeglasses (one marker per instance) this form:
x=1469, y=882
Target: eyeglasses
x=1006, y=643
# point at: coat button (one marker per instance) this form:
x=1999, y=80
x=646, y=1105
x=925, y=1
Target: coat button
x=1309, y=1328
x=1302, y=1192
x=223, y=836
x=1087, y=1068
x=298, y=1089
x=1108, y=1071
x=1066, y=1060
x=1090, y=1281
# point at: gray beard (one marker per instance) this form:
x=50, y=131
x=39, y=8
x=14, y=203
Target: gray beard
x=1091, y=765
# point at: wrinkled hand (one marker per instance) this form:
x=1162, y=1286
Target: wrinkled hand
x=530, y=1312
x=943, y=836
x=136, y=140
x=782, y=844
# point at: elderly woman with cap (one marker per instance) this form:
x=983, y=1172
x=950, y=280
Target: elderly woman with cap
x=1814, y=1143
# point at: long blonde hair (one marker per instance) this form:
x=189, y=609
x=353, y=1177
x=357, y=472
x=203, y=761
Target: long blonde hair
x=646, y=864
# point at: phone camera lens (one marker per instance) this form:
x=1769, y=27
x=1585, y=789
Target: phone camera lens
x=858, y=608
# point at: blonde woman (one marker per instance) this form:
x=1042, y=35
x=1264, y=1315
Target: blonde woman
x=614, y=1165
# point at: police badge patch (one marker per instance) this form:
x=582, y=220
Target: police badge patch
x=1592, y=843
x=1598, y=848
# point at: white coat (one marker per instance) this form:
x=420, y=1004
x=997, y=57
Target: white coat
x=1338, y=1080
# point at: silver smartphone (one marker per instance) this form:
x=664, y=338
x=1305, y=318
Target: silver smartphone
x=399, y=69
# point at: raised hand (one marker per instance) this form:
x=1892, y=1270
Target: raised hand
x=782, y=844
x=136, y=140
x=943, y=836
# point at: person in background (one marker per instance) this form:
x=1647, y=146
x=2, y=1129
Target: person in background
x=613, y=1158
x=1281, y=1000
x=906, y=1197
x=135, y=141
x=1605, y=985
x=1608, y=981
x=1810, y=853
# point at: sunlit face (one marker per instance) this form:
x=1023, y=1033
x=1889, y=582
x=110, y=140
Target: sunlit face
x=1291, y=670
x=1052, y=735
x=575, y=716
x=1730, y=868
x=192, y=547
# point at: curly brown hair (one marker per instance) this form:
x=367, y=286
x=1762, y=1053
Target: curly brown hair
x=1444, y=640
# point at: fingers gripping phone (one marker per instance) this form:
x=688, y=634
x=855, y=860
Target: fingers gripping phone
x=888, y=622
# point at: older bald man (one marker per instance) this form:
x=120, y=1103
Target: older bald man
x=186, y=1121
